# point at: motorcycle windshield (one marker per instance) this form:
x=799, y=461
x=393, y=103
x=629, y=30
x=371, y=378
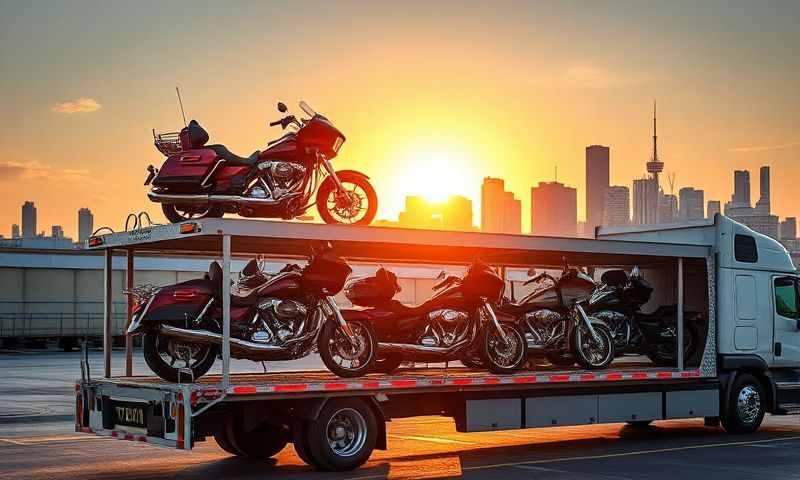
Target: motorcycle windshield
x=307, y=108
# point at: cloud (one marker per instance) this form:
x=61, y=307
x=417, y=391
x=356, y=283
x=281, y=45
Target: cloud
x=79, y=105
x=765, y=148
x=14, y=171
x=589, y=76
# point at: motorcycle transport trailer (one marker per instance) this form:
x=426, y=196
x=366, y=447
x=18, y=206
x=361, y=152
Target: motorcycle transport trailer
x=335, y=423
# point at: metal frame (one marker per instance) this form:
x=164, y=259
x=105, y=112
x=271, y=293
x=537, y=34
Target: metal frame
x=369, y=244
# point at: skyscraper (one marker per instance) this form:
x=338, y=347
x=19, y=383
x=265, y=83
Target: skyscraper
x=28, y=220
x=691, y=205
x=15, y=231
x=597, y=161
x=57, y=231
x=85, y=224
x=500, y=211
x=645, y=201
x=554, y=210
x=617, y=206
x=763, y=203
x=741, y=189
x=667, y=208
x=789, y=228
x=713, y=208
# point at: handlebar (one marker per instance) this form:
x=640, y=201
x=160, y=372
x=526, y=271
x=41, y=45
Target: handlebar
x=276, y=122
x=539, y=277
x=446, y=282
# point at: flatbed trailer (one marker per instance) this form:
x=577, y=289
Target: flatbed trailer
x=335, y=423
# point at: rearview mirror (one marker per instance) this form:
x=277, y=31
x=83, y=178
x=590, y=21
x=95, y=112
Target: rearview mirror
x=531, y=272
x=282, y=107
x=441, y=275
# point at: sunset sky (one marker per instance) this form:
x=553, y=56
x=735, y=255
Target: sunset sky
x=432, y=96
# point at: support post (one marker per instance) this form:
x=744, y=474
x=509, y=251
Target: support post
x=108, y=309
x=680, y=315
x=129, y=271
x=226, y=311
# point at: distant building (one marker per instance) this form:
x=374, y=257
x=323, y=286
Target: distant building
x=28, y=220
x=500, y=211
x=57, y=231
x=597, y=165
x=691, y=204
x=788, y=229
x=453, y=214
x=667, y=208
x=85, y=224
x=645, y=201
x=759, y=219
x=713, y=208
x=617, y=206
x=554, y=210
x=15, y=231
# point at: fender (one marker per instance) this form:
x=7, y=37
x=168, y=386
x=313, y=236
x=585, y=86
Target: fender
x=352, y=172
x=352, y=314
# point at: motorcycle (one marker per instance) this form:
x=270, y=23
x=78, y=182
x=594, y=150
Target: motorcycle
x=280, y=317
x=199, y=180
x=618, y=300
x=556, y=323
x=457, y=323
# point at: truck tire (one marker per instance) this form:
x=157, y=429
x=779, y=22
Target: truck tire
x=639, y=424
x=746, y=405
x=344, y=435
x=261, y=443
x=300, y=442
x=223, y=438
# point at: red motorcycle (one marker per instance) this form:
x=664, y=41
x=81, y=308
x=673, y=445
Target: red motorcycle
x=199, y=180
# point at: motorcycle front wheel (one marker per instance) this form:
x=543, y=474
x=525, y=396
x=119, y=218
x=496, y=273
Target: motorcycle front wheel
x=345, y=357
x=357, y=204
x=593, y=353
x=503, y=356
x=176, y=362
x=176, y=213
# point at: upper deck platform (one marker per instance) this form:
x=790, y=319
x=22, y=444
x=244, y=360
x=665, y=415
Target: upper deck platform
x=385, y=244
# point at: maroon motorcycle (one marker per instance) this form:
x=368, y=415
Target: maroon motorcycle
x=199, y=180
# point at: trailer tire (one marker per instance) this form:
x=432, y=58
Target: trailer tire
x=746, y=405
x=262, y=443
x=222, y=437
x=343, y=435
x=300, y=442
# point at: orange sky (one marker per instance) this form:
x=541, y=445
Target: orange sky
x=427, y=101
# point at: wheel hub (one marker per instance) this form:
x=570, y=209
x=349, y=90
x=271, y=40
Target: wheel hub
x=346, y=432
x=748, y=404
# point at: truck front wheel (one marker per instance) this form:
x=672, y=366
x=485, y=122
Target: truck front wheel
x=745, y=406
x=344, y=434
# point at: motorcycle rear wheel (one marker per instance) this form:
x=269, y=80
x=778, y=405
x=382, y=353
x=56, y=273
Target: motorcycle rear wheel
x=358, y=189
x=175, y=214
x=155, y=349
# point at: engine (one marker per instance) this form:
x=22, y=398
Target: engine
x=445, y=328
x=542, y=326
x=281, y=178
x=278, y=321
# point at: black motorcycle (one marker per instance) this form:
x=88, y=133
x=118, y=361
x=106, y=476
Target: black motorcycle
x=556, y=323
x=618, y=300
x=457, y=323
x=280, y=317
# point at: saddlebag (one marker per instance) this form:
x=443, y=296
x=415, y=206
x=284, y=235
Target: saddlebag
x=185, y=172
x=373, y=291
x=180, y=303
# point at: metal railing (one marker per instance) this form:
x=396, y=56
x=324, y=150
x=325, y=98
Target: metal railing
x=57, y=319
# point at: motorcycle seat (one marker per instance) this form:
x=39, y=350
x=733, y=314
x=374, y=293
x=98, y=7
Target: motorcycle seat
x=247, y=299
x=233, y=159
x=400, y=310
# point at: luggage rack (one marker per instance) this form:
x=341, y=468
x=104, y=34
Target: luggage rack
x=227, y=238
x=168, y=143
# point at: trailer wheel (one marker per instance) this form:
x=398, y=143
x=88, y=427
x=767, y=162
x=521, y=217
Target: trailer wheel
x=223, y=439
x=745, y=410
x=344, y=434
x=262, y=443
x=300, y=442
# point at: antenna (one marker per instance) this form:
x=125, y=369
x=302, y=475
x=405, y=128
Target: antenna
x=180, y=102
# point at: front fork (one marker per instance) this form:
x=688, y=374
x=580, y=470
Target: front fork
x=487, y=309
x=585, y=318
x=329, y=304
x=329, y=168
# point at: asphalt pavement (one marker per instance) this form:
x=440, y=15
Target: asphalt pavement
x=37, y=441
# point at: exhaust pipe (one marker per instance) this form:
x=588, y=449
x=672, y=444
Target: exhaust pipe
x=238, y=346
x=200, y=199
x=413, y=349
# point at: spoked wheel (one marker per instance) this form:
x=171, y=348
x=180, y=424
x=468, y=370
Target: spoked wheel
x=593, y=352
x=664, y=353
x=344, y=356
x=356, y=204
x=504, y=356
x=174, y=361
x=177, y=213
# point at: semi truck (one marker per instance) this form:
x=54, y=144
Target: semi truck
x=741, y=286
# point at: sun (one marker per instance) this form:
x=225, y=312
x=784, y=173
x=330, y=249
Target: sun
x=436, y=173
